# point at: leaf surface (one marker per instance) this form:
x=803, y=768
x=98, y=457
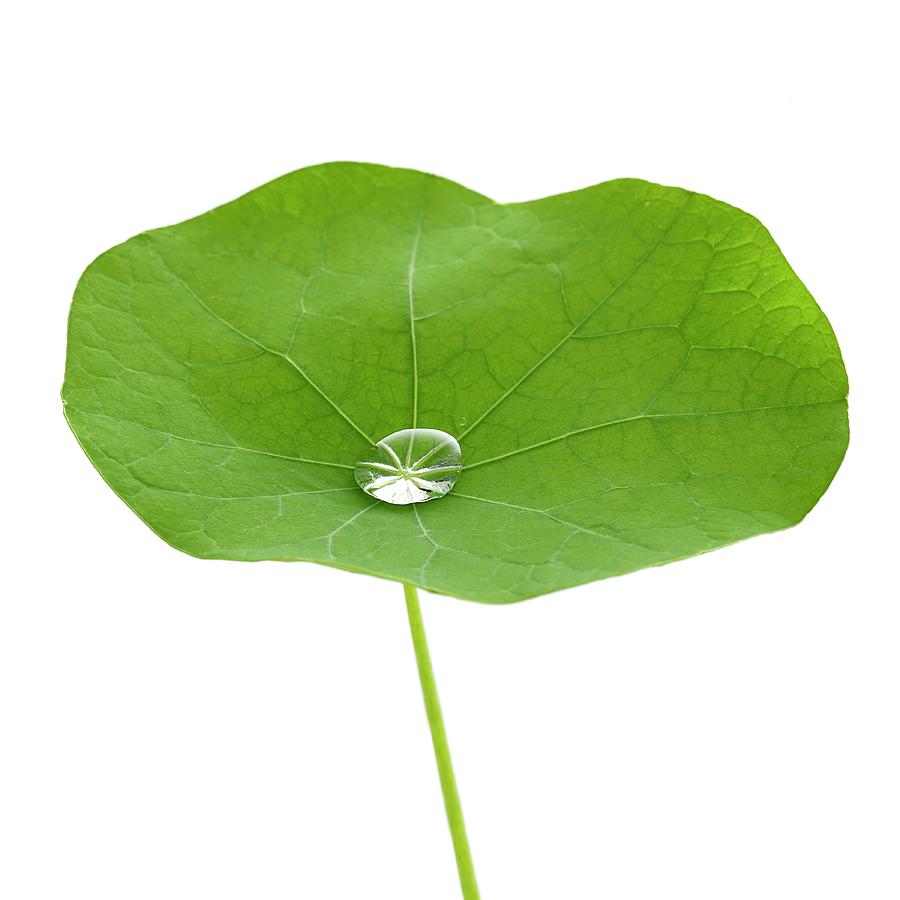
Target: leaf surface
x=634, y=373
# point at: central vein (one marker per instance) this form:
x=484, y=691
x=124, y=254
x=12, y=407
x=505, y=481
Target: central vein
x=410, y=290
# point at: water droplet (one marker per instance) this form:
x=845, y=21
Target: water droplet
x=410, y=466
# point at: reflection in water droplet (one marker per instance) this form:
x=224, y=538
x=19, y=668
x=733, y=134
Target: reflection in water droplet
x=410, y=466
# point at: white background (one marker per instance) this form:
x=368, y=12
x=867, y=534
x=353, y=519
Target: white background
x=725, y=727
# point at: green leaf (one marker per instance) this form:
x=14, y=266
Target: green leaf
x=634, y=373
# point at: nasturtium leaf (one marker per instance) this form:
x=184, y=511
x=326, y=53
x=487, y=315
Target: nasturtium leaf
x=634, y=374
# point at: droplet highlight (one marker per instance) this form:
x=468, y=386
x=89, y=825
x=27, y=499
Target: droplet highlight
x=410, y=466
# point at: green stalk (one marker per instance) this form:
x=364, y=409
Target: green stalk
x=441, y=747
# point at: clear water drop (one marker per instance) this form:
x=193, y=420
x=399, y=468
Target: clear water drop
x=410, y=466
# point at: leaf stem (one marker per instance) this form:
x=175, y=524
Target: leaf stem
x=441, y=747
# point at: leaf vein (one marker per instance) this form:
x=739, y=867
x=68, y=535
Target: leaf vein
x=636, y=268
